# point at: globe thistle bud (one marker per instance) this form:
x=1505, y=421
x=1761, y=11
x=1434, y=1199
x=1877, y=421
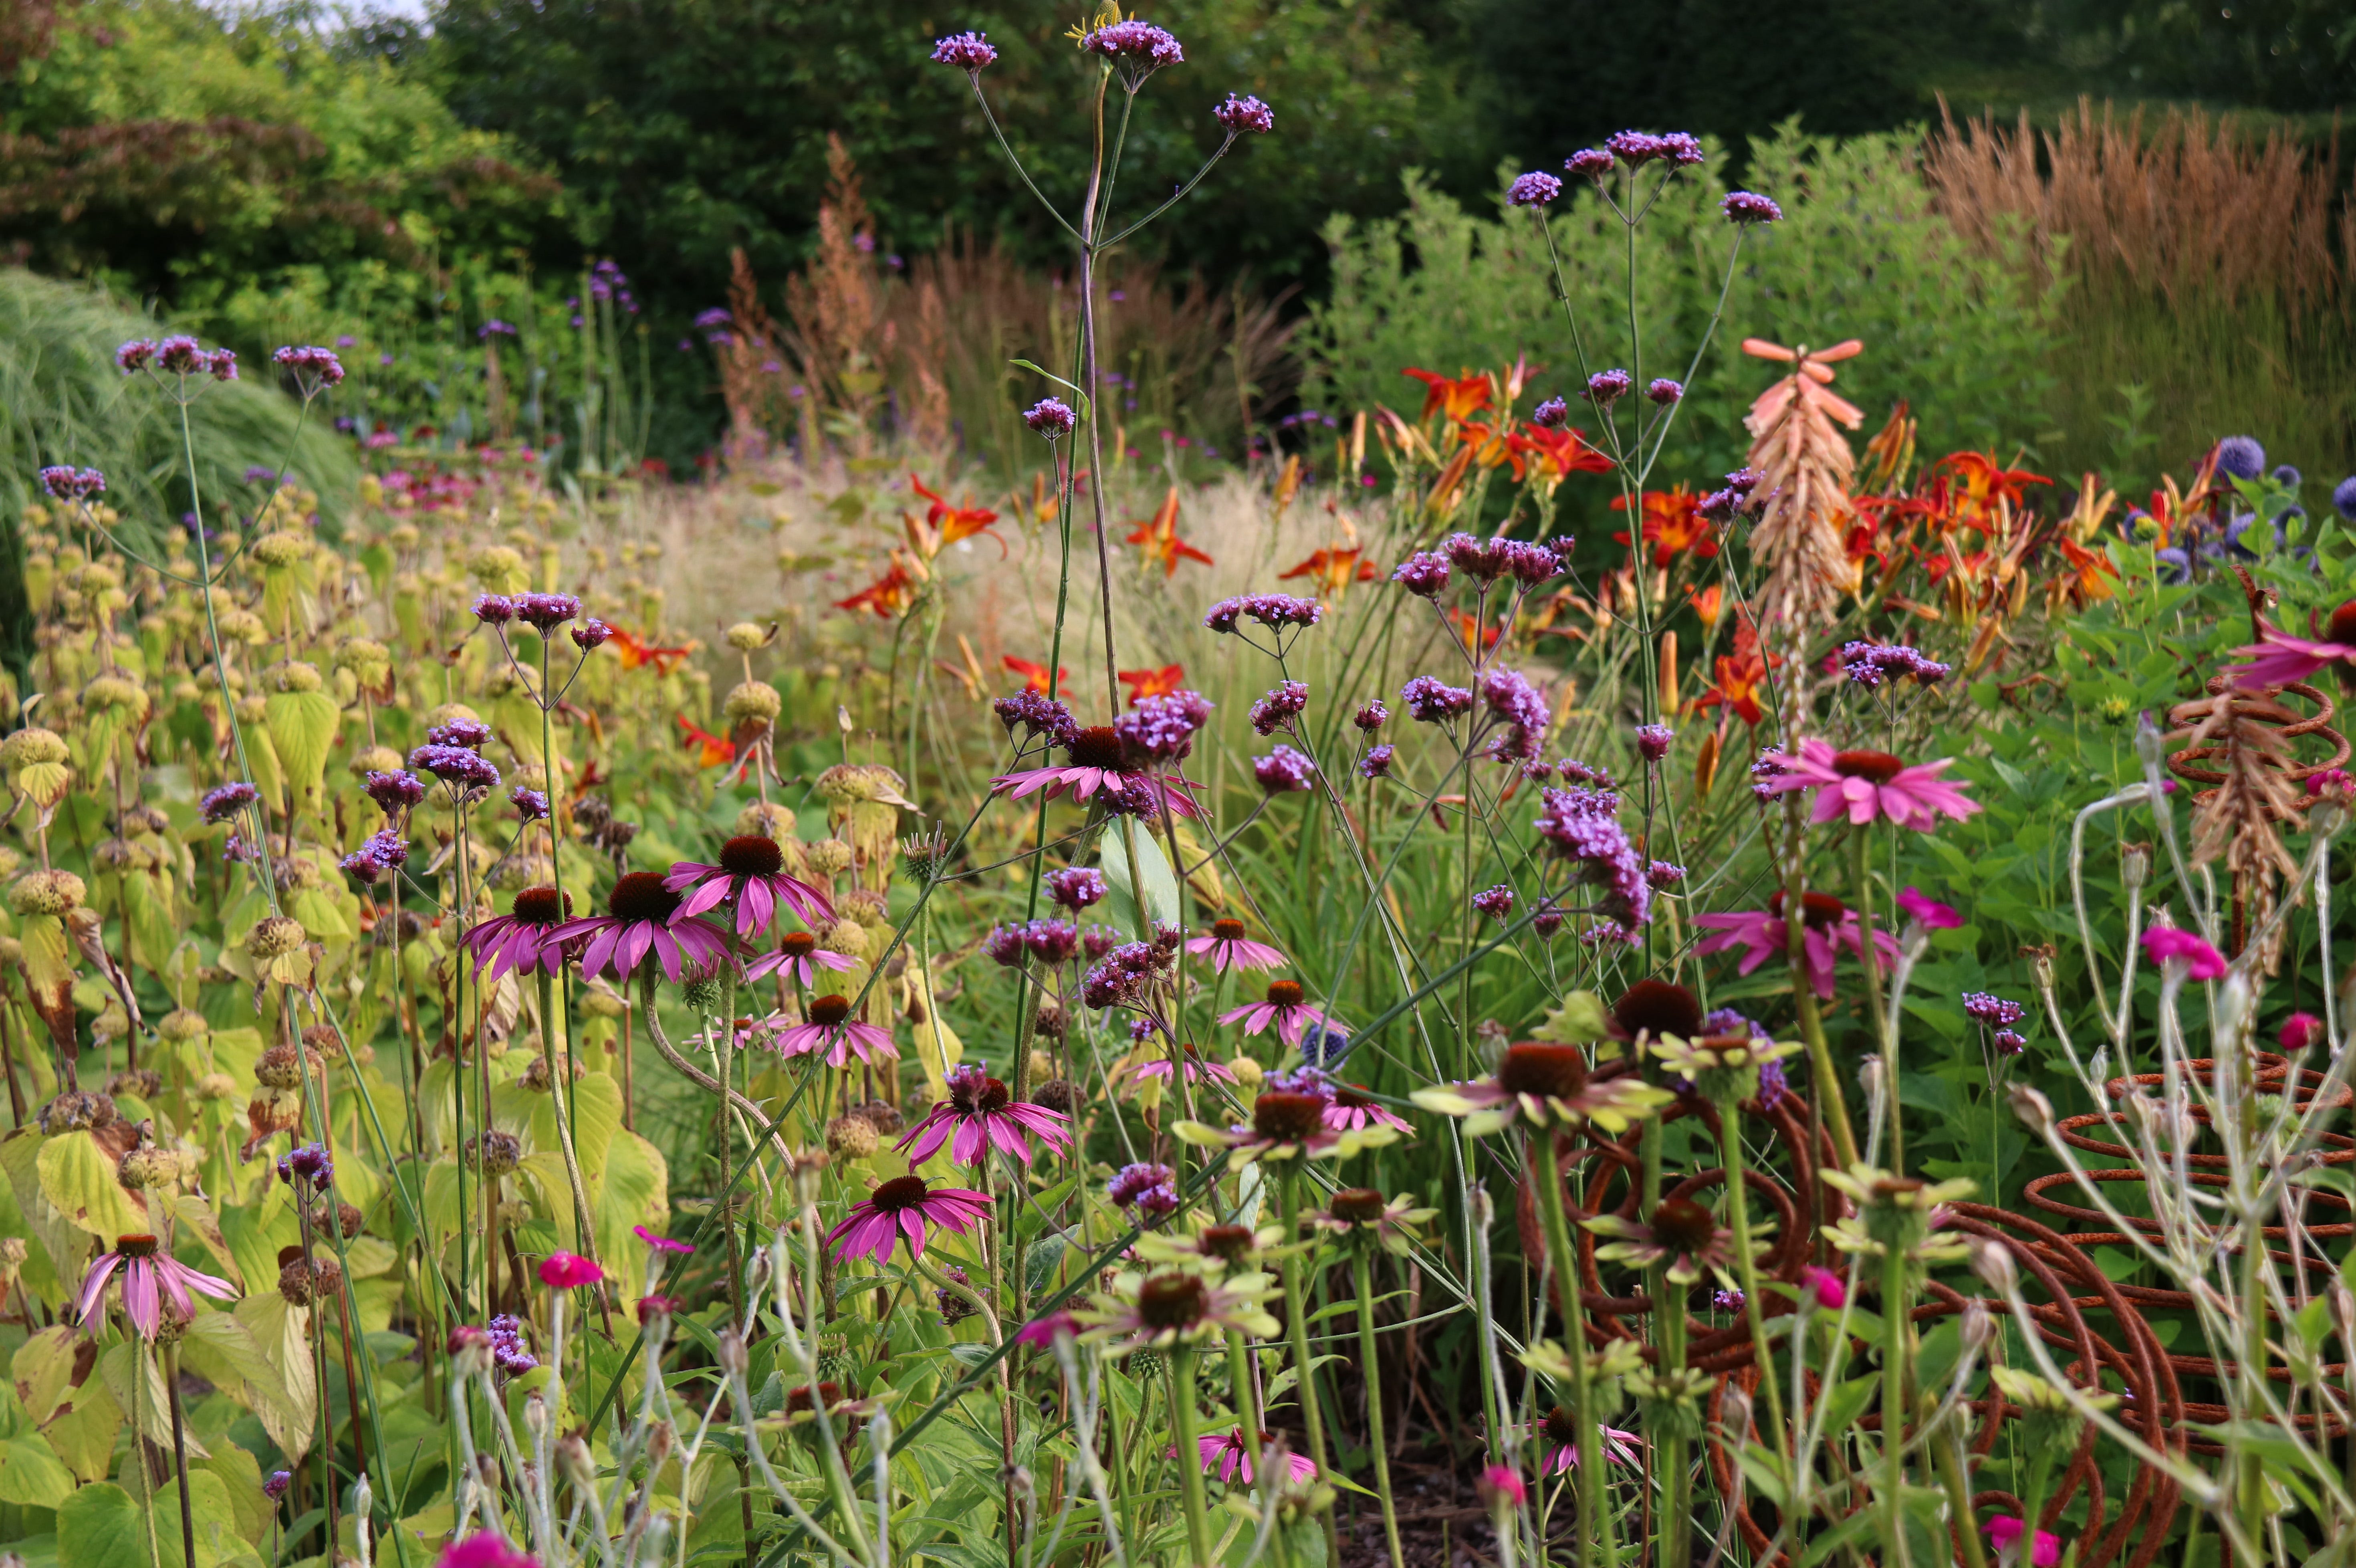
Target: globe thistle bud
x=1248, y=1072
x=30, y=746
x=281, y=1066
x=850, y=1138
x=867, y=905
x=881, y=1114
x=497, y=1153
x=294, y=675
x=746, y=636
x=46, y=893
x=215, y=1086
x=343, y=1219
x=767, y=820
x=146, y=1167
x=1057, y=1094
x=181, y=1025
x=848, y=938
x=139, y=1082
x=752, y=700
x=76, y=1110
x=828, y=858
x=282, y=548
x=275, y=936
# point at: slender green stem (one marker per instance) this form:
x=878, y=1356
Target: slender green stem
x=1370, y=1368
x=1876, y=1009
x=1241, y=1392
x=1190, y=1467
x=1895, y=1327
x=1296, y=1324
x=1831, y=1104
x=1746, y=1263
x=1597, y=1540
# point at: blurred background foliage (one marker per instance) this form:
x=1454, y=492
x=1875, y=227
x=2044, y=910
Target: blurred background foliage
x=407, y=180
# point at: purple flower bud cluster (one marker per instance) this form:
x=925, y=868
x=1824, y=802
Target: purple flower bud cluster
x=967, y=51
x=386, y=850
x=1721, y=505
x=223, y=802
x=1161, y=729
x=1869, y=664
x=1497, y=903
x=1605, y=388
x=2009, y=1042
x=1119, y=976
x=1050, y=416
x=1283, y=771
x=1664, y=874
x=1277, y=710
x=495, y=609
x=472, y=734
x=1051, y=943
x=1587, y=163
x=1133, y=796
x=1766, y=770
x=529, y=804
x=1551, y=414
x=546, y=612
x=1745, y=207
x=277, y=1484
x=1994, y=1012
x=1037, y=714
x=1371, y=716
x=1077, y=886
x=1653, y=741
x=1376, y=763
x=1244, y=116
x=1432, y=701
x=591, y=635
x=69, y=484
x=1547, y=918
x=510, y=1351
x=1137, y=49
x=310, y=1165
x=1274, y=611
x=1512, y=698
x=1583, y=827
x=1663, y=391
x=312, y=367
x=1004, y=946
x=1574, y=772
x=1098, y=940
x=1635, y=147
x=1424, y=574
x=1536, y=189
x=459, y=767
x=1151, y=1189
x=395, y=792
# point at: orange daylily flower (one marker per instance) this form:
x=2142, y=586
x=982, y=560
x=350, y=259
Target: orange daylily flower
x=952, y=522
x=1561, y=453
x=633, y=653
x=1152, y=682
x=2090, y=578
x=715, y=751
x=1034, y=676
x=1459, y=399
x=1977, y=484
x=1334, y=569
x=888, y=597
x=1159, y=540
x=1740, y=676
x=1674, y=525
x=1470, y=627
x=1708, y=603
x=1491, y=445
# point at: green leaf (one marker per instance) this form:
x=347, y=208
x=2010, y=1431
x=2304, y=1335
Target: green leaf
x=1763, y=1470
x=31, y=1475
x=302, y=727
x=102, y=1526
x=1161, y=886
x=212, y=1517
x=1845, y=1402
x=77, y=1176
x=241, y=1474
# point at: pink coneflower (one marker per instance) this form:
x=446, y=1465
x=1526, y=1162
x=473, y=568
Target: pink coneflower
x=1865, y=786
x=1762, y=934
x=638, y=922
x=1929, y=913
x=564, y=1270
x=1043, y=1332
x=752, y=876
x=1547, y=1085
x=2004, y=1532
x=485, y=1550
x=799, y=956
x=1558, y=1429
x=1285, y=1009
x=1224, y=1455
x=1501, y=1486
x=1350, y=1110
x=1286, y=1125
x=149, y=1275
x=1680, y=1233
x=1226, y=946
x=832, y=1029
x=2277, y=658
x=523, y=939
x=661, y=1243
x=902, y=1208
x=2201, y=961
x=1153, y=1061
x=1093, y=761
x=980, y=1113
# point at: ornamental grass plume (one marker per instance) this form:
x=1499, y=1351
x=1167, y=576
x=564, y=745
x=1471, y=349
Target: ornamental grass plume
x=1805, y=469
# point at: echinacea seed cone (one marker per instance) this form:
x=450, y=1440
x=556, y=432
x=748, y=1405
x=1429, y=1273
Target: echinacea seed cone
x=1550, y=1072
x=829, y=1011
x=1682, y=1225
x=1878, y=765
x=1658, y=1008
x=1284, y=993
x=542, y=906
x=900, y=1192
x=641, y=895
x=1096, y=746
x=1172, y=1301
x=1288, y=1118
x=752, y=857
x=1358, y=1205
x=1227, y=930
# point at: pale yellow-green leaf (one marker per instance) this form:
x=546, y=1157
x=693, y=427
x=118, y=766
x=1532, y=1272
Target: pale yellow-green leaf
x=269, y=773
x=212, y=1517
x=303, y=731
x=283, y=1334
x=147, y=912
x=31, y=1473
x=136, y=1381
x=82, y=1431
x=241, y=1474
x=937, y=1046
x=221, y=1349
x=78, y=1178
x=597, y=1114
x=64, y=1245
x=637, y=1192
x=196, y=1219
x=41, y=1374
x=104, y=1526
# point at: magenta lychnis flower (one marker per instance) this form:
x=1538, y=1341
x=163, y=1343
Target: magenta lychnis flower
x=2004, y=1532
x=901, y=1209
x=1284, y=1007
x=1929, y=913
x=2200, y=961
x=1867, y=786
x=1226, y=946
x=562, y=1270
x=150, y=1277
x=1762, y=935
x=799, y=956
x=661, y=1243
x=485, y=1550
x=642, y=917
x=980, y=1113
x=752, y=876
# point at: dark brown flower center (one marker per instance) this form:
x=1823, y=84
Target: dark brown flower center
x=1350, y=1099
x=1561, y=1429
x=1682, y=1225
x=2343, y=623
x=1284, y=993
x=798, y=944
x=971, y=1098
x=542, y=906
x=641, y=895
x=1658, y=1007
x=899, y=1193
x=1818, y=911
x=1878, y=765
x=1896, y=1186
x=1172, y=1301
x=829, y=1011
x=1289, y=1118
x=1227, y=930
x=752, y=856
x=1551, y=1072
x=1096, y=746
x=799, y=1400
x=136, y=1246
x=1358, y=1205
x=1233, y=1242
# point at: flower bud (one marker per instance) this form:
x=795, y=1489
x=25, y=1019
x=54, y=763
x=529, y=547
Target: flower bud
x=1992, y=1260
x=2135, y=866
x=535, y=1413
x=1978, y=1325
x=573, y=1462
x=46, y=893
x=470, y=1352
x=851, y=1137
x=733, y=1359
x=143, y=1168
x=752, y=700
x=745, y=636
x=275, y=937
x=2032, y=1106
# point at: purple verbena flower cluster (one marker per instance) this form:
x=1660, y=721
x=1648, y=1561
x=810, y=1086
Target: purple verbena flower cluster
x=1119, y=976
x=1653, y=741
x=1869, y=664
x=1765, y=772
x=1151, y=1188
x=1161, y=729
x=223, y=802
x=1551, y=414
x=1583, y=827
x=308, y=1165
x=1376, y=763
x=1274, y=611
x=1746, y=207
x=1605, y=388
x=1371, y=716
x=1432, y=701
x=1283, y=771
x=1664, y=874
x=1994, y=1012
x=70, y=484
x=546, y=612
x=1246, y=115
x=591, y=635
x=1137, y=49
x=1051, y=417
x=1498, y=902
x=1424, y=574
x=1720, y=505
x=311, y=368
x=386, y=850
x=510, y=1351
x=1536, y=189
x=1037, y=714
x=1663, y=391
x=967, y=51
x=1587, y=163
x=1635, y=147
x=531, y=804
x=396, y=792
x=1077, y=886
x=1279, y=707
